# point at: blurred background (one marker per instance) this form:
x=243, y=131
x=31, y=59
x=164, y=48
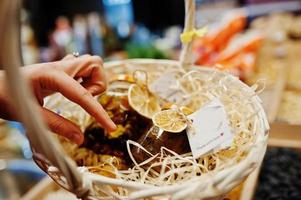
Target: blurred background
x=259, y=41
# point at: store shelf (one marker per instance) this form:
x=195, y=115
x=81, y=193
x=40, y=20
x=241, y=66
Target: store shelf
x=285, y=135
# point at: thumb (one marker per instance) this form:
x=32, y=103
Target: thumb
x=62, y=126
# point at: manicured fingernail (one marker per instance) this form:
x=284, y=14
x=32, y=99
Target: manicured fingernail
x=113, y=126
x=109, y=123
x=78, y=138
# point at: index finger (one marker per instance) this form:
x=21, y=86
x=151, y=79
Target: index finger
x=75, y=92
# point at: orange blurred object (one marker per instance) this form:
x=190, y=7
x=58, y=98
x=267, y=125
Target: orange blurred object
x=227, y=47
x=218, y=36
x=247, y=42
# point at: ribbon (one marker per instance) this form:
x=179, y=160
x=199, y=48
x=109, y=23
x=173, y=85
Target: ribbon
x=189, y=35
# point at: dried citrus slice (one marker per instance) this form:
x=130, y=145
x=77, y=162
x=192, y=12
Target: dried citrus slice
x=142, y=101
x=170, y=120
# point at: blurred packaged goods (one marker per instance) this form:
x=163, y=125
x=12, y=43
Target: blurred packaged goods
x=29, y=48
x=279, y=58
x=90, y=34
x=273, y=54
x=220, y=33
x=85, y=35
x=95, y=33
x=61, y=39
x=227, y=46
x=266, y=49
x=101, y=27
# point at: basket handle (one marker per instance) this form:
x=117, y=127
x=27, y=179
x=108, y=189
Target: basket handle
x=185, y=56
x=40, y=137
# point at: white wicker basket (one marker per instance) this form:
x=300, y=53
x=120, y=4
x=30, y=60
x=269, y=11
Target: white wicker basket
x=211, y=185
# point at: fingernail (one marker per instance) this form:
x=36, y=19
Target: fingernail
x=110, y=124
x=113, y=126
x=78, y=138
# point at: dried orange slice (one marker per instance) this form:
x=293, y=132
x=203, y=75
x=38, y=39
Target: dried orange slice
x=170, y=120
x=142, y=101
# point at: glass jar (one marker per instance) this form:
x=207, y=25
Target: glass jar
x=155, y=138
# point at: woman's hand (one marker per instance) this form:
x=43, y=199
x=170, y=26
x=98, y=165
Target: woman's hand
x=62, y=76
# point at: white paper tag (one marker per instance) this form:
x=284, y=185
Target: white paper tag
x=209, y=129
x=166, y=87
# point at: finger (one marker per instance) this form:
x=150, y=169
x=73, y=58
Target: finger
x=62, y=126
x=86, y=64
x=72, y=65
x=89, y=69
x=93, y=75
x=75, y=92
x=94, y=80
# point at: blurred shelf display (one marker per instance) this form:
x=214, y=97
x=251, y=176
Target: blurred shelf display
x=104, y=33
x=278, y=63
x=263, y=53
x=228, y=47
x=119, y=15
